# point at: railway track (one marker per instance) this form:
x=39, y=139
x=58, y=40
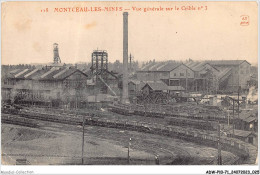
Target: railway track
x=166, y=153
x=77, y=120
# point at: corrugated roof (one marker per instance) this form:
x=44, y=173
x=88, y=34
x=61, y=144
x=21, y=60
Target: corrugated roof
x=30, y=73
x=146, y=67
x=169, y=66
x=38, y=74
x=157, y=86
x=155, y=66
x=249, y=119
x=60, y=72
x=68, y=73
x=14, y=71
x=49, y=72
x=225, y=62
x=191, y=64
x=242, y=133
x=160, y=66
x=224, y=72
x=45, y=73
x=19, y=74
x=248, y=116
x=197, y=66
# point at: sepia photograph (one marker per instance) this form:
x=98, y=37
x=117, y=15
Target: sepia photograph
x=129, y=83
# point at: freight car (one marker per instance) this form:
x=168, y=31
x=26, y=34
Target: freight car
x=9, y=109
x=199, y=124
x=19, y=121
x=185, y=133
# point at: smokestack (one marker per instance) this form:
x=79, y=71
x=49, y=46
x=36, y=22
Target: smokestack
x=125, y=58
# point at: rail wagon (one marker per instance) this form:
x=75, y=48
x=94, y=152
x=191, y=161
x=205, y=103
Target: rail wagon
x=191, y=123
x=19, y=121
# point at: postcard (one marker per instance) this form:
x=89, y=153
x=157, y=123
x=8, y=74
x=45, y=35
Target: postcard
x=171, y=83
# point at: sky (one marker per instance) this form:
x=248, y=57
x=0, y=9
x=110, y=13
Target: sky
x=212, y=33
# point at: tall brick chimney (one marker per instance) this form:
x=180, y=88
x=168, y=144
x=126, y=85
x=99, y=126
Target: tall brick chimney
x=125, y=58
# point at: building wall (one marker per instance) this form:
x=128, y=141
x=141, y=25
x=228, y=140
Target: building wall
x=45, y=90
x=146, y=90
x=181, y=71
x=240, y=76
x=244, y=74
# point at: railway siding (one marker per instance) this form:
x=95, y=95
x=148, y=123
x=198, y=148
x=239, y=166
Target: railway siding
x=237, y=147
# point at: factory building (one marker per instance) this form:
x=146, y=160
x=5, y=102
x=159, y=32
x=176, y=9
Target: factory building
x=238, y=72
x=47, y=86
x=171, y=73
x=195, y=76
x=175, y=74
x=58, y=85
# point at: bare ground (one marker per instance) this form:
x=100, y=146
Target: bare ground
x=54, y=143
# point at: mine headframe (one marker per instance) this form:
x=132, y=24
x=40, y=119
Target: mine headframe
x=99, y=63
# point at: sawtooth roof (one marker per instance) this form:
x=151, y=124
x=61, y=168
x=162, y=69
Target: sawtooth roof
x=224, y=72
x=160, y=66
x=226, y=62
x=196, y=66
x=45, y=73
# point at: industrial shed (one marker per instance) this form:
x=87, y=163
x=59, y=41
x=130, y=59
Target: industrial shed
x=247, y=121
x=246, y=136
x=48, y=86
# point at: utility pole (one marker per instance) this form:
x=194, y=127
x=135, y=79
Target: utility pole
x=186, y=81
x=238, y=101
x=83, y=132
x=228, y=117
x=157, y=161
x=32, y=92
x=128, y=152
x=238, y=90
x=78, y=89
x=219, y=147
x=233, y=117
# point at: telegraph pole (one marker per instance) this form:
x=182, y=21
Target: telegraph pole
x=238, y=101
x=238, y=90
x=128, y=152
x=83, y=127
x=233, y=118
x=219, y=147
x=77, y=95
x=186, y=83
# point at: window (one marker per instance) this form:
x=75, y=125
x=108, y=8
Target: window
x=188, y=74
x=174, y=74
x=181, y=74
x=241, y=72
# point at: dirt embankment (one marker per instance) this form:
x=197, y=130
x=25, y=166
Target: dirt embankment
x=23, y=134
